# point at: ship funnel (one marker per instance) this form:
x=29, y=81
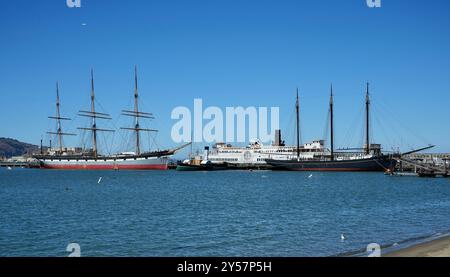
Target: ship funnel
x=278, y=141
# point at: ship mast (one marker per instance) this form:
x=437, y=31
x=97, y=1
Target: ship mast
x=94, y=115
x=137, y=115
x=94, y=120
x=367, y=120
x=59, y=133
x=332, y=124
x=297, y=109
x=58, y=114
x=136, y=110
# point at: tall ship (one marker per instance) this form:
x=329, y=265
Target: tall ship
x=81, y=159
x=370, y=158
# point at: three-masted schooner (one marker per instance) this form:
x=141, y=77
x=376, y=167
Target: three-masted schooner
x=79, y=159
x=370, y=159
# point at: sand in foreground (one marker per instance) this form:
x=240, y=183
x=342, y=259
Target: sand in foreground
x=436, y=248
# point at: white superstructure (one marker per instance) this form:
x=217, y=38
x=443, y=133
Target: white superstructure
x=256, y=153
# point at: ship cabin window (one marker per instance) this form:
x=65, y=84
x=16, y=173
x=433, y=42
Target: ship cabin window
x=124, y=159
x=105, y=160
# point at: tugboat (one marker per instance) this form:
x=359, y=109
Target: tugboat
x=79, y=159
x=202, y=166
x=371, y=159
x=197, y=163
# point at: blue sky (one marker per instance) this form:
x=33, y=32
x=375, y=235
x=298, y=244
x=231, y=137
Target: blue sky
x=232, y=53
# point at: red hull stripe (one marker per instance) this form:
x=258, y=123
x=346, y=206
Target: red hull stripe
x=107, y=167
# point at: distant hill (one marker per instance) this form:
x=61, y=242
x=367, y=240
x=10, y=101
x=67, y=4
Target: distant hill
x=12, y=147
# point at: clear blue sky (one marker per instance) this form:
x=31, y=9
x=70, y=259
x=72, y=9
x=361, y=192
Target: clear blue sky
x=231, y=53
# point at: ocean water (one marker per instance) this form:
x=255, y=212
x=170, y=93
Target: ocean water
x=241, y=213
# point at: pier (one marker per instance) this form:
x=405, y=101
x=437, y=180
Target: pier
x=420, y=165
x=19, y=164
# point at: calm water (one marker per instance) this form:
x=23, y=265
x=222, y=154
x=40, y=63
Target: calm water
x=215, y=213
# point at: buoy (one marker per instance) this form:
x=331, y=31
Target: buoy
x=9, y=168
x=99, y=180
x=310, y=176
x=342, y=237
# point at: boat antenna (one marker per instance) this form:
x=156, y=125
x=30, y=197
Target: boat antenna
x=367, y=120
x=297, y=108
x=331, y=124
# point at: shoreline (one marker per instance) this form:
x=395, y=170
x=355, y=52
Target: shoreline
x=439, y=247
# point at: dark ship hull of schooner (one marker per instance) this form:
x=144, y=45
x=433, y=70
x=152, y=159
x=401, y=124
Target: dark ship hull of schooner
x=371, y=159
x=382, y=163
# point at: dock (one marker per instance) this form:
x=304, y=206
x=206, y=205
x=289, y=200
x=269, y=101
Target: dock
x=421, y=169
x=19, y=164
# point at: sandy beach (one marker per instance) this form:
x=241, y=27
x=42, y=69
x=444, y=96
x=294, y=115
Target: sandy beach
x=436, y=248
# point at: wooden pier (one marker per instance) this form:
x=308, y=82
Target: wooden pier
x=19, y=165
x=422, y=169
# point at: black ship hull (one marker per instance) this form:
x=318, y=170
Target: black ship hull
x=201, y=167
x=382, y=163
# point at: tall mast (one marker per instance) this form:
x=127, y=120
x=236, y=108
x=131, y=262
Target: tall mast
x=94, y=121
x=94, y=115
x=331, y=124
x=59, y=133
x=297, y=109
x=136, y=110
x=58, y=115
x=137, y=115
x=367, y=120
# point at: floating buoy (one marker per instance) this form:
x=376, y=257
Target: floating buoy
x=9, y=168
x=342, y=237
x=99, y=180
x=310, y=176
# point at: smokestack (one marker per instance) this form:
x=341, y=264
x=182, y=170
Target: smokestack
x=278, y=141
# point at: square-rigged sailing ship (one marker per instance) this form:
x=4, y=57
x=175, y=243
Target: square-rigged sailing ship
x=76, y=158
